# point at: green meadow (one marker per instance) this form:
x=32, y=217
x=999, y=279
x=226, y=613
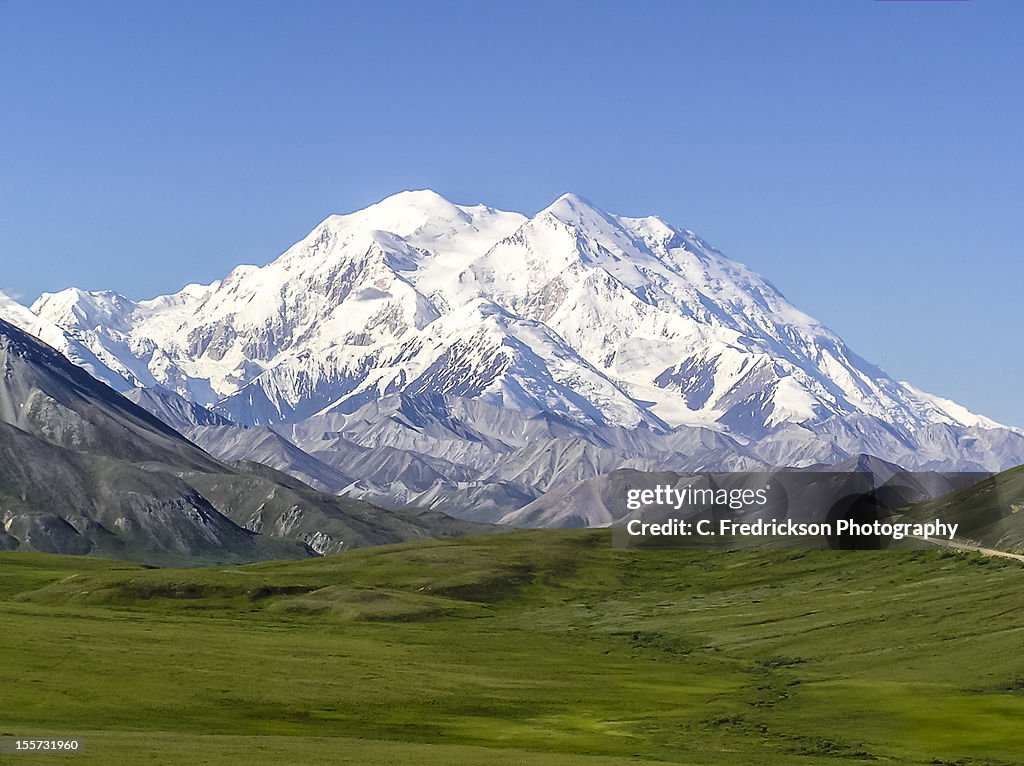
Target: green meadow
x=532, y=648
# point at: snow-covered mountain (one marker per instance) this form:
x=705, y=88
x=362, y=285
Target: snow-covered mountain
x=13, y=312
x=615, y=337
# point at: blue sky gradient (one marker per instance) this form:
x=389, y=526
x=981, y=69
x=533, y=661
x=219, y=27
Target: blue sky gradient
x=867, y=157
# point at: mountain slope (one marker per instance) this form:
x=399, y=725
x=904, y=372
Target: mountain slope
x=264, y=446
x=85, y=470
x=58, y=500
x=990, y=514
x=173, y=409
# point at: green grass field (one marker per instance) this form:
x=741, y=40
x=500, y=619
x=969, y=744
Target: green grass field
x=526, y=648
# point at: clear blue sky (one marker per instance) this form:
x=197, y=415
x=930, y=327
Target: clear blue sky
x=867, y=157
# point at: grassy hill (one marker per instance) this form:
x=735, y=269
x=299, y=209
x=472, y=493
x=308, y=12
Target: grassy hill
x=537, y=647
x=990, y=513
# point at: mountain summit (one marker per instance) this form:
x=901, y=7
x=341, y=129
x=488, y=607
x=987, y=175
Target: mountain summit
x=602, y=321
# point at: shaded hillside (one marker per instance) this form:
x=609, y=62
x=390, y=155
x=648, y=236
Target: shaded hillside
x=84, y=470
x=990, y=514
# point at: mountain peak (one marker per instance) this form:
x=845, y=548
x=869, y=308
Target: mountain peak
x=104, y=307
x=570, y=207
x=576, y=200
x=418, y=201
x=581, y=214
x=406, y=213
x=419, y=197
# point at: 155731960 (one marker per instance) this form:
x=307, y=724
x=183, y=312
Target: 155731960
x=40, y=744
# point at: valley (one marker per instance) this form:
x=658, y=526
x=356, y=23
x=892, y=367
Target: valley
x=540, y=647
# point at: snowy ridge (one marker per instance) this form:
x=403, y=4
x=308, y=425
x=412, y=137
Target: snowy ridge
x=957, y=414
